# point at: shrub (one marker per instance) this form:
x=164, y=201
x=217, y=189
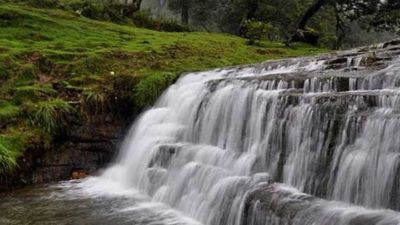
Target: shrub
x=255, y=31
x=44, y=3
x=145, y=19
x=106, y=10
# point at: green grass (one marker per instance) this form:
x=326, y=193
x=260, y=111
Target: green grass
x=49, y=58
x=11, y=148
x=51, y=115
x=8, y=111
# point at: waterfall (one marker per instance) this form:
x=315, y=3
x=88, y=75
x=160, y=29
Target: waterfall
x=216, y=143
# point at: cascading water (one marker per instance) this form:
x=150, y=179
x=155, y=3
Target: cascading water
x=329, y=127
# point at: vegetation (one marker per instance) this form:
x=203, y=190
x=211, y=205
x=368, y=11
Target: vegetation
x=58, y=67
x=11, y=147
x=51, y=115
x=320, y=22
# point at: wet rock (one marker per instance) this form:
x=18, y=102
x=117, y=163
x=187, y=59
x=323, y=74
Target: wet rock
x=87, y=149
x=391, y=43
x=164, y=155
x=277, y=204
x=78, y=174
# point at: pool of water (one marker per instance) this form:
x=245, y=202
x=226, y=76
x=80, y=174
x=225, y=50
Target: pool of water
x=86, y=202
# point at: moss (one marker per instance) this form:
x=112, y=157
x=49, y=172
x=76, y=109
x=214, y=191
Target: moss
x=151, y=87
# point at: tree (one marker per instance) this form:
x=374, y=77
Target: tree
x=185, y=11
x=314, y=8
x=377, y=13
x=182, y=7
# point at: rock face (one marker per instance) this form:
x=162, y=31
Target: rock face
x=276, y=204
x=86, y=149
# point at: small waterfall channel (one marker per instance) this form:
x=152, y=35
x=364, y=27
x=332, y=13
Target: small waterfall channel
x=304, y=141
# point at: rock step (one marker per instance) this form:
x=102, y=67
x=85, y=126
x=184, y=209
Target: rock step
x=276, y=204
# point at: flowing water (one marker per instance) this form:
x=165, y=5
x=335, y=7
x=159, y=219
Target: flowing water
x=215, y=145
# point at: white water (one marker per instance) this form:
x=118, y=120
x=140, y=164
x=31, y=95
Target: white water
x=213, y=136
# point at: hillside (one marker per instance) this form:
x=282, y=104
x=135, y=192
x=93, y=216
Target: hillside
x=58, y=68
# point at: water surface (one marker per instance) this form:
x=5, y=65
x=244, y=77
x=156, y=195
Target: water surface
x=72, y=202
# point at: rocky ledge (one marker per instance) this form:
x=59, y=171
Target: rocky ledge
x=83, y=151
x=277, y=204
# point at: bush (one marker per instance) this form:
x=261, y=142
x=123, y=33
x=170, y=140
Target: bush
x=113, y=12
x=108, y=10
x=44, y=3
x=145, y=19
x=255, y=31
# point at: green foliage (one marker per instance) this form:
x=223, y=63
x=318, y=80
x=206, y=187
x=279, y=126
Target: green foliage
x=11, y=147
x=146, y=20
x=94, y=101
x=330, y=21
x=33, y=92
x=51, y=116
x=151, y=87
x=26, y=73
x=44, y=3
x=8, y=111
x=255, y=31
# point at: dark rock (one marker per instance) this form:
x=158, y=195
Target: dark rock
x=391, y=43
x=78, y=174
x=277, y=204
x=87, y=149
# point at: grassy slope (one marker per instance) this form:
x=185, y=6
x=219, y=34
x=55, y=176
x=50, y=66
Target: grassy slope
x=50, y=59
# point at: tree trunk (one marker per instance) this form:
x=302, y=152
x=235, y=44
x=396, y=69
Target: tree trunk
x=252, y=6
x=340, y=29
x=316, y=6
x=185, y=12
